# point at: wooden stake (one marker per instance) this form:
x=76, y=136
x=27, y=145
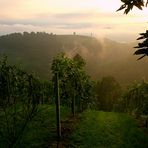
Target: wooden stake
x=57, y=100
x=73, y=104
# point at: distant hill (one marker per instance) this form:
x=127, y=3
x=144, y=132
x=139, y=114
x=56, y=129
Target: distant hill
x=35, y=51
x=117, y=59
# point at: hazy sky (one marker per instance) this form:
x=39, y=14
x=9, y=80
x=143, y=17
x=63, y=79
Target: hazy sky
x=98, y=17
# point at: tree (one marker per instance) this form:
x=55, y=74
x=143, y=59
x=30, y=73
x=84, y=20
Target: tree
x=135, y=100
x=108, y=92
x=128, y=6
x=75, y=84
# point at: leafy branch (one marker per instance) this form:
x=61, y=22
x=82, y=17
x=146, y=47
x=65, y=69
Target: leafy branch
x=143, y=47
x=129, y=4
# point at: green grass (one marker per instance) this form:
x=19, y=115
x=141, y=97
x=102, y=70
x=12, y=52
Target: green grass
x=94, y=130
x=108, y=130
x=41, y=129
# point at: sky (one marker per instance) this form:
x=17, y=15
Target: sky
x=85, y=17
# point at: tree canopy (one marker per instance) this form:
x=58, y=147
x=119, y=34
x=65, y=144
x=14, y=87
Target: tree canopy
x=74, y=81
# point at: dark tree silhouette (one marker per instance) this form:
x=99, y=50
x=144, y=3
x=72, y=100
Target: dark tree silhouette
x=143, y=47
x=128, y=6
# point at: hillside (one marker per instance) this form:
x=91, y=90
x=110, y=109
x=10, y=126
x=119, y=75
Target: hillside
x=34, y=52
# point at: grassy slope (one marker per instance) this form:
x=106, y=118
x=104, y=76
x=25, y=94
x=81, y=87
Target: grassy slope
x=35, y=53
x=108, y=130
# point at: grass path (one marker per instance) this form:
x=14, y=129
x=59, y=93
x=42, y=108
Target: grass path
x=108, y=130
x=91, y=129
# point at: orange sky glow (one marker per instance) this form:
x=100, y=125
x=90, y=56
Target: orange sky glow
x=66, y=16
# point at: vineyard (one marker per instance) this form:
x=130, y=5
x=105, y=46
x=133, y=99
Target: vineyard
x=20, y=95
x=29, y=116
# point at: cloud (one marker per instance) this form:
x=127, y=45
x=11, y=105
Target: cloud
x=102, y=24
x=108, y=27
x=77, y=15
x=74, y=26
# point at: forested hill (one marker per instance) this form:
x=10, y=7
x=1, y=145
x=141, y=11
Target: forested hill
x=34, y=52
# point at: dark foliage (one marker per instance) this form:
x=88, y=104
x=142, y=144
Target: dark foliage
x=143, y=47
x=108, y=92
x=35, y=50
x=129, y=4
x=20, y=94
x=135, y=99
x=74, y=82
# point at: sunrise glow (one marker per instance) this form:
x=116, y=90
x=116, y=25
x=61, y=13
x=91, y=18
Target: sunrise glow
x=66, y=16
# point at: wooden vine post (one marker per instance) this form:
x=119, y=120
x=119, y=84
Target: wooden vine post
x=73, y=104
x=57, y=101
